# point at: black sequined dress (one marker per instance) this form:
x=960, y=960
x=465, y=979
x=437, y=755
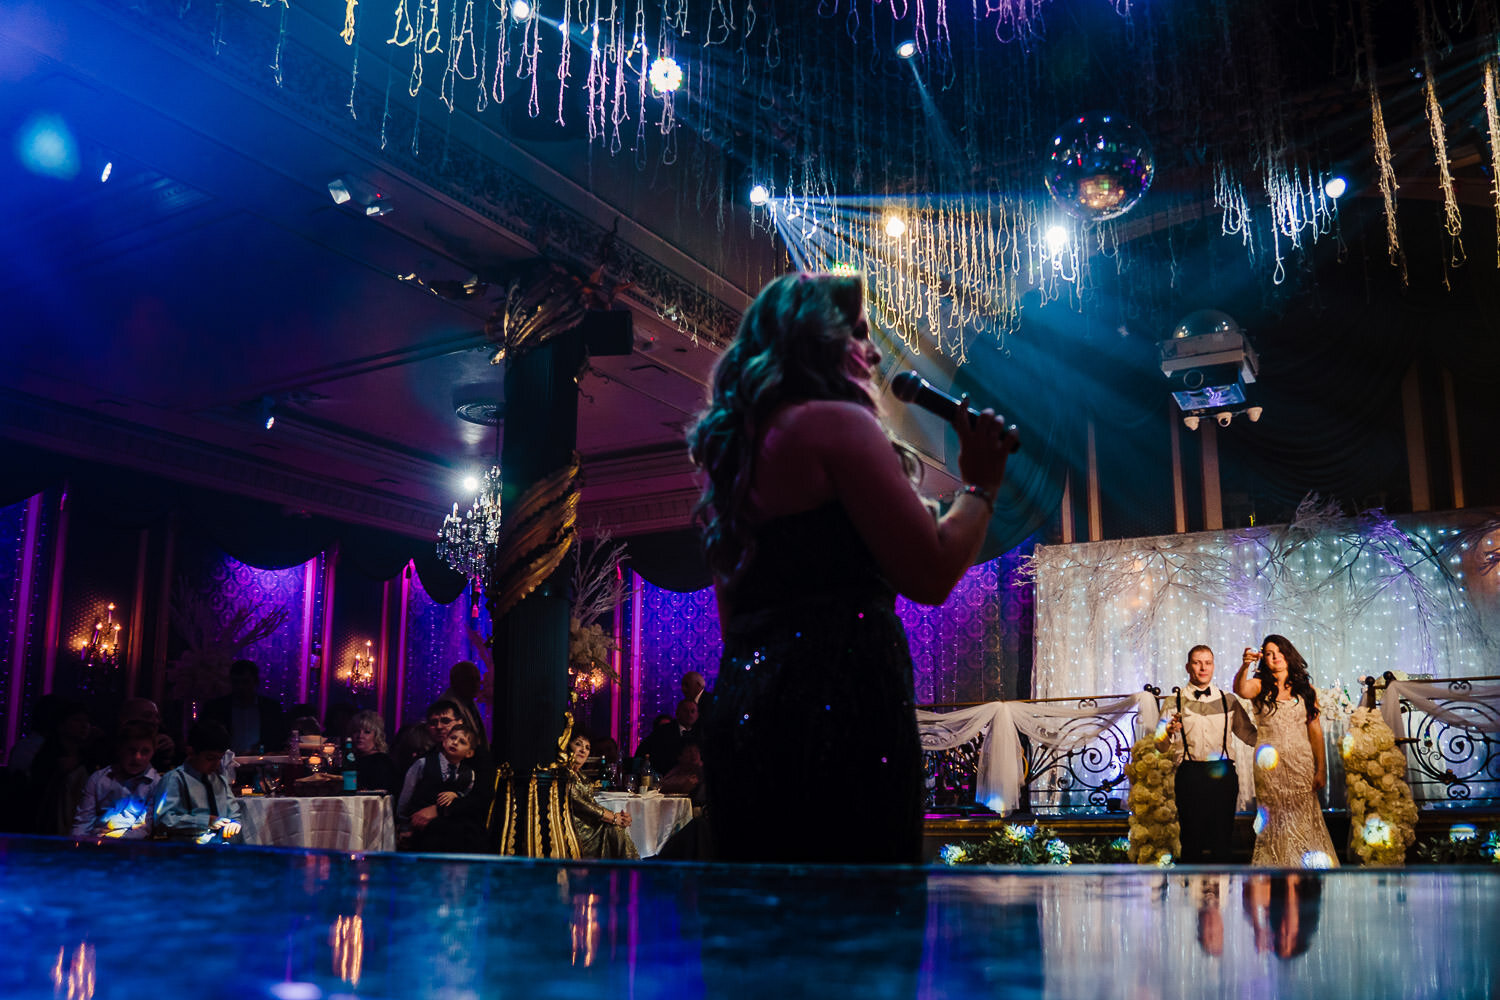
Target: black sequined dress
x=810, y=744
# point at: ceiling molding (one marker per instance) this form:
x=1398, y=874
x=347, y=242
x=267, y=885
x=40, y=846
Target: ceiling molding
x=70, y=431
x=667, y=511
x=318, y=95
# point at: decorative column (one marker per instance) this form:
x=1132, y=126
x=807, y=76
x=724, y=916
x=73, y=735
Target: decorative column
x=546, y=327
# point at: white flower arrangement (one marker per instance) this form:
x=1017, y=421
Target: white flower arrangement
x=1154, y=832
x=1382, y=813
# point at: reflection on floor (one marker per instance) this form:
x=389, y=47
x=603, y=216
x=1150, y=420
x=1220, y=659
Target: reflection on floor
x=122, y=920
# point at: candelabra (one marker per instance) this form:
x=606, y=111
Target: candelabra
x=100, y=652
x=359, y=674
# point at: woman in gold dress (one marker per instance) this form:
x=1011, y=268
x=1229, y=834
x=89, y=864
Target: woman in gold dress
x=600, y=832
x=1291, y=766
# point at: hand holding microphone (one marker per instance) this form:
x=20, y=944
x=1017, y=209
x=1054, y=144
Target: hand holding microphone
x=909, y=387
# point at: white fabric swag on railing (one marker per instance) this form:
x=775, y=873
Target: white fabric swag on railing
x=1437, y=700
x=1002, y=766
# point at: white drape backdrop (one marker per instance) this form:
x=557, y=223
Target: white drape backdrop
x=1356, y=596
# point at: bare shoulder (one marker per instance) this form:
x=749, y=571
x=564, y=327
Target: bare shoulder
x=824, y=416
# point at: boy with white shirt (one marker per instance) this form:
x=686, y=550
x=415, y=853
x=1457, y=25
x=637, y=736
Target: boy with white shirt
x=117, y=800
x=1207, y=785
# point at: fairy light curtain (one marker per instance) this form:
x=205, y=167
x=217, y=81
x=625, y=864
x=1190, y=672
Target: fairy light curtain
x=1251, y=113
x=1356, y=596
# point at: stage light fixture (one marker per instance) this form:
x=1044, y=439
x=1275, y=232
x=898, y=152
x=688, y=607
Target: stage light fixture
x=666, y=75
x=109, y=168
x=520, y=10
x=1191, y=423
x=906, y=49
x=268, y=412
x=378, y=209
x=1253, y=413
x=1335, y=187
x=895, y=226
x=1224, y=419
x=1057, y=239
x=759, y=195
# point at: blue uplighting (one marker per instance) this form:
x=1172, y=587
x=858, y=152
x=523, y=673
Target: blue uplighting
x=45, y=145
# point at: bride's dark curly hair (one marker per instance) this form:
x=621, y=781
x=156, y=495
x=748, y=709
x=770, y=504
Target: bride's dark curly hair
x=1297, y=677
x=790, y=348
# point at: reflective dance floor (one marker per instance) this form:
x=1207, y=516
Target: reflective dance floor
x=81, y=921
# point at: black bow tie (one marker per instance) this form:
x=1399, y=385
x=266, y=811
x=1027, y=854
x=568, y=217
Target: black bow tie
x=1200, y=694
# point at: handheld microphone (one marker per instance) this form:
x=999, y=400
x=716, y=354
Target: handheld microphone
x=909, y=387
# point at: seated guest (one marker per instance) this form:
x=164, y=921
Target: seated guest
x=60, y=768
x=413, y=742
x=253, y=720
x=601, y=833
x=117, y=799
x=441, y=801
x=665, y=742
x=145, y=710
x=196, y=803
x=377, y=772
x=687, y=777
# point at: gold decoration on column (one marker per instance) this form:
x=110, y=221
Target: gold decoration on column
x=541, y=301
x=536, y=539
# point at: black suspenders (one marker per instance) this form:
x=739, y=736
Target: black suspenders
x=1224, y=702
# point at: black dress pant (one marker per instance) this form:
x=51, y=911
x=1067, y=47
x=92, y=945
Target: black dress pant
x=1206, y=794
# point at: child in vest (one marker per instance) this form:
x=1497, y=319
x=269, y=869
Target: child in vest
x=196, y=803
x=117, y=799
x=440, y=801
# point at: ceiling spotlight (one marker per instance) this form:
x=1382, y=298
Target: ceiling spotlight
x=520, y=10
x=268, y=412
x=1253, y=413
x=378, y=209
x=759, y=195
x=666, y=75
x=1057, y=239
x=109, y=168
x=339, y=191
x=895, y=226
x=1335, y=187
x=471, y=483
x=1191, y=423
x=1224, y=419
x=906, y=49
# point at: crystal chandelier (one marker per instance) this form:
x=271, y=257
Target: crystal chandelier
x=465, y=541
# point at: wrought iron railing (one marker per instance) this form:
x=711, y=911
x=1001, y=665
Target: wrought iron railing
x=1448, y=764
x=1088, y=778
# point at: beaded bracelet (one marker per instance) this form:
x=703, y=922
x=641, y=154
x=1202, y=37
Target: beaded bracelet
x=988, y=496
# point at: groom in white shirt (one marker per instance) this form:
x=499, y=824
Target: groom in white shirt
x=1207, y=785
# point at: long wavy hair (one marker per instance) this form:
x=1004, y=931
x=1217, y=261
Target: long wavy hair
x=790, y=348
x=1297, y=677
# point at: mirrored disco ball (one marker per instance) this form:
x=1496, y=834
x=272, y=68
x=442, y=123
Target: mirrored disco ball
x=1205, y=321
x=1099, y=165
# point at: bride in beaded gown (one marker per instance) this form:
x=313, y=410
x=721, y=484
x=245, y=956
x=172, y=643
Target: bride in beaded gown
x=1290, y=764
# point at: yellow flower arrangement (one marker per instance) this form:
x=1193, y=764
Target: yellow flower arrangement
x=1154, y=832
x=1382, y=813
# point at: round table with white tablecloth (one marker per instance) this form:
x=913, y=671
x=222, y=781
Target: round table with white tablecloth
x=333, y=822
x=654, y=817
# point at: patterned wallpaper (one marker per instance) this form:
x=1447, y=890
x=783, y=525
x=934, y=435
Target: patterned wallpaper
x=237, y=585
x=968, y=649
x=436, y=638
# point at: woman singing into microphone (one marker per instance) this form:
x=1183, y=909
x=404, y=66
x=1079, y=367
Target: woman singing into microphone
x=812, y=525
